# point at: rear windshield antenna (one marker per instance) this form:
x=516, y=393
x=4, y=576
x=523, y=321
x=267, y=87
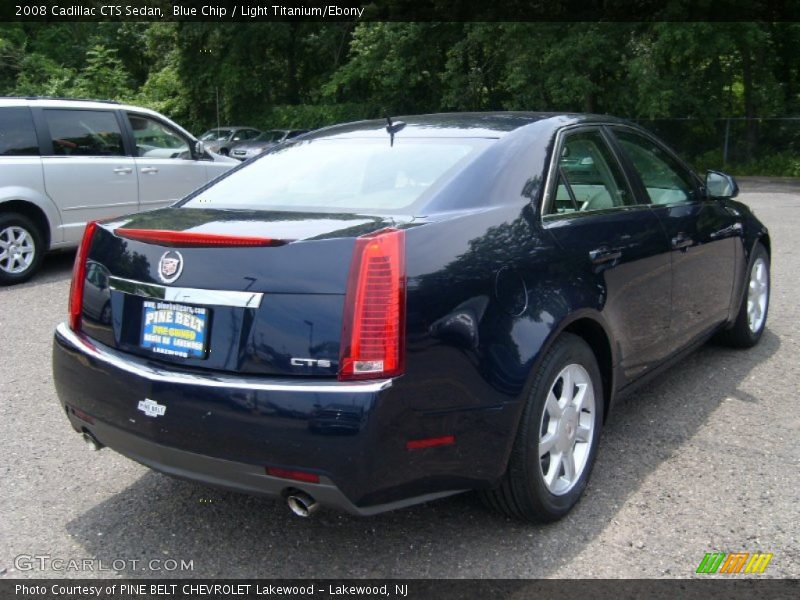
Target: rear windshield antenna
x=393, y=128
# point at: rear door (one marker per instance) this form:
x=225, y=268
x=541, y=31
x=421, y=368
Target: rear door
x=86, y=172
x=702, y=236
x=165, y=164
x=607, y=237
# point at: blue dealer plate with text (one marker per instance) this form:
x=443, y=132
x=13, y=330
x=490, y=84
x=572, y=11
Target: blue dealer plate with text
x=174, y=329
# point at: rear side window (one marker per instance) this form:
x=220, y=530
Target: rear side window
x=17, y=135
x=589, y=177
x=344, y=174
x=84, y=132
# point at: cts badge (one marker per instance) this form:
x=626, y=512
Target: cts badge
x=152, y=408
x=310, y=362
x=170, y=266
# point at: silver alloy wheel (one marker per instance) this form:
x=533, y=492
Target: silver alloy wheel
x=567, y=429
x=757, y=295
x=17, y=249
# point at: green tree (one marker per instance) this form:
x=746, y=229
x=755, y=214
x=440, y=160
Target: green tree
x=104, y=76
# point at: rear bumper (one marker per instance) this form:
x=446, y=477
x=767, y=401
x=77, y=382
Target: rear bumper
x=224, y=430
x=236, y=476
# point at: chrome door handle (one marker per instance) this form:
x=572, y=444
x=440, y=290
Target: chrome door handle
x=735, y=229
x=123, y=170
x=604, y=254
x=682, y=242
x=149, y=170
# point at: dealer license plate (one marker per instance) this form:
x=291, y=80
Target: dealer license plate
x=174, y=329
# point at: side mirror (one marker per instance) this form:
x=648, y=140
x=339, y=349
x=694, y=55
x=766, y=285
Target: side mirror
x=721, y=185
x=200, y=149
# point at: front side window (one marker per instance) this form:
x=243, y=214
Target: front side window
x=341, y=175
x=589, y=177
x=77, y=132
x=17, y=135
x=155, y=140
x=241, y=135
x=663, y=177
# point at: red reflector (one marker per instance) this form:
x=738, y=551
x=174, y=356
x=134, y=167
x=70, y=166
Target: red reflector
x=79, y=277
x=373, y=325
x=166, y=237
x=445, y=440
x=82, y=416
x=296, y=475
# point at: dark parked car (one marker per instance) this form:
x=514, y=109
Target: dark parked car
x=222, y=139
x=375, y=316
x=265, y=141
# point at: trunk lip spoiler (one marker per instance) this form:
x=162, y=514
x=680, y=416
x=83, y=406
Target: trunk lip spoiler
x=141, y=367
x=187, y=295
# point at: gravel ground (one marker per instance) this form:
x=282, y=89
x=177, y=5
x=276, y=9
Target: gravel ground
x=705, y=458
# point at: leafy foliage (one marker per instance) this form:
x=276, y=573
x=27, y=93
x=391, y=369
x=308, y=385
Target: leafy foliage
x=307, y=74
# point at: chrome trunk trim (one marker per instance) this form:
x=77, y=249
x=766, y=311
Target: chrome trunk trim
x=188, y=295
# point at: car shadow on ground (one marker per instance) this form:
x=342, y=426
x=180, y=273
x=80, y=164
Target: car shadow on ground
x=232, y=535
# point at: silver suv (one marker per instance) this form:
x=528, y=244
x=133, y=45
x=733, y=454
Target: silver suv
x=66, y=162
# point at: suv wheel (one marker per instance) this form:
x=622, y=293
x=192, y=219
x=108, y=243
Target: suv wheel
x=21, y=248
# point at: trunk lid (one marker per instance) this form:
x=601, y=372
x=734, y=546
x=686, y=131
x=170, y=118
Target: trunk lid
x=270, y=310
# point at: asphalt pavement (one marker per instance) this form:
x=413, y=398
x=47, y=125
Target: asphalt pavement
x=705, y=458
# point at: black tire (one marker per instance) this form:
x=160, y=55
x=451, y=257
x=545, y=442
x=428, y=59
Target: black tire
x=741, y=335
x=224, y=151
x=522, y=493
x=16, y=220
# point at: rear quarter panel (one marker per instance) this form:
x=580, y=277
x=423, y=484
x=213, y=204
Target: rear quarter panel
x=486, y=296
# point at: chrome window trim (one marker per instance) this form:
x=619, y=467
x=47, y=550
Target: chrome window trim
x=552, y=175
x=591, y=213
x=188, y=295
x=142, y=368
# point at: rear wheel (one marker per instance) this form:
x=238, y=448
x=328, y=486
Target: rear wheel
x=752, y=317
x=557, y=439
x=21, y=248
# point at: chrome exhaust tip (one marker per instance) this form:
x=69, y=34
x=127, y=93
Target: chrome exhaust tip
x=302, y=504
x=92, y=441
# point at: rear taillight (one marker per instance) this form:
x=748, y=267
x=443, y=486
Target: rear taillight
x=165, y=237
x=79, y=277
x=373, y=327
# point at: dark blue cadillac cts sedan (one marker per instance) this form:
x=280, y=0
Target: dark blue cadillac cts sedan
x=380, y=314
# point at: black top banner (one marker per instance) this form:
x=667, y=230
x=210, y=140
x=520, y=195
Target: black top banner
x=400, y=10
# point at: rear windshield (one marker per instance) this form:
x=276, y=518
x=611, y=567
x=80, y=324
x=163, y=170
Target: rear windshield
x=341, y=175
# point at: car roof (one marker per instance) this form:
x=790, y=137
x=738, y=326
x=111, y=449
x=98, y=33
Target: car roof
x=86, y=104
x=462, y=124
x=71, y=103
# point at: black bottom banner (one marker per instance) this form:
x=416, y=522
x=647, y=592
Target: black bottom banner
x=444, y=589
